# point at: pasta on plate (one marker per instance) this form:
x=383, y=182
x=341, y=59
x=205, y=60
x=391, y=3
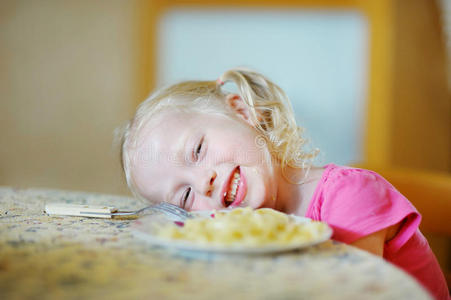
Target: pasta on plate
x=246, y=227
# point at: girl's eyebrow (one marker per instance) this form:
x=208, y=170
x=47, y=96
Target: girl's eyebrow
x=180, y=155
x=184, y=150
x=170, y=196
x=179, y=149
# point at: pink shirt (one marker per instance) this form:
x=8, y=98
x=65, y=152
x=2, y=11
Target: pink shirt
x=356, y=203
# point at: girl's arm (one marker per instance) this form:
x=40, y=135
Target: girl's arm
x=374, y=243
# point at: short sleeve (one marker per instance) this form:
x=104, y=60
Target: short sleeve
x=358, y=202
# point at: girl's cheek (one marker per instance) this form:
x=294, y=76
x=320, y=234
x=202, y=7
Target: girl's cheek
x=202, y=204
x=253, y=157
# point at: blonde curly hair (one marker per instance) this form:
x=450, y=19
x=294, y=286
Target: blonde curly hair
x=269, y=110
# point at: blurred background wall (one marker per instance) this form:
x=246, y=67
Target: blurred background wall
x=70, y=72
x=368, y=78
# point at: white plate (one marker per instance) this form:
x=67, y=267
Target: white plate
x=144, y=229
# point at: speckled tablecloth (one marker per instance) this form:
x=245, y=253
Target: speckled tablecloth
x=47, y=257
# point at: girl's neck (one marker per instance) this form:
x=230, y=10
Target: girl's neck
x=295, y=198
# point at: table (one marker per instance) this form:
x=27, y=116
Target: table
x=48, y=257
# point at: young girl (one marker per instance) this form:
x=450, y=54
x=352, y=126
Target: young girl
x=197, y=146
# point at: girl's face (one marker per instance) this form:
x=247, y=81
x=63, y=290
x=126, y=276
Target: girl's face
x=204, y=161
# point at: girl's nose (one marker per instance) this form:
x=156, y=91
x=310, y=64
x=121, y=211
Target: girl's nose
x=208, y=182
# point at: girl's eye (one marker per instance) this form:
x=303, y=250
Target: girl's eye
x=198, y=150
x=185, y=197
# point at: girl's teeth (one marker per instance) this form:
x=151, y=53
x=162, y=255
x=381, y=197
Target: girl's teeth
x=230, y=195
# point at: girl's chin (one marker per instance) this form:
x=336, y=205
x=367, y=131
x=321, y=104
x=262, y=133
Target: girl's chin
x=256, y=204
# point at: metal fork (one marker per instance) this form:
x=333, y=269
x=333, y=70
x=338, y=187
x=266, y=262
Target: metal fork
x=169, y=210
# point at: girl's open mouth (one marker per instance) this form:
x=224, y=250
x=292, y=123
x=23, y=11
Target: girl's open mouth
x=234, y=190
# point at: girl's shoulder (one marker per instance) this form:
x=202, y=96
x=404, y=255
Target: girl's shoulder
x=341, y=171
x=358, y=202
x=350, y=190
x=336, y=176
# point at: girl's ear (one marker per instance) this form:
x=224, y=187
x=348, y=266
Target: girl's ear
x=239, y=107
